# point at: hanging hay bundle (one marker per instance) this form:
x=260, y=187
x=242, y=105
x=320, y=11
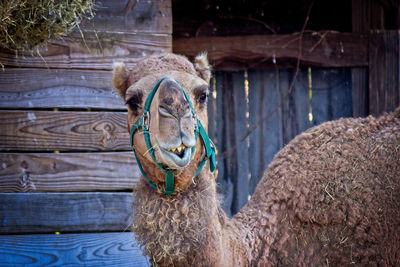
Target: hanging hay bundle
x=28, y=24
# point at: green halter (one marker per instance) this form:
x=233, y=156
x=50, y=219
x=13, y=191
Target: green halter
x=143, y=122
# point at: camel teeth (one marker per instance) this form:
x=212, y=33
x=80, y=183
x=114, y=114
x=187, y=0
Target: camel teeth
x=178, y=149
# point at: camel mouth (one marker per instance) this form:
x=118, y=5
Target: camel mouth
x=177, y=157
x=179, y=151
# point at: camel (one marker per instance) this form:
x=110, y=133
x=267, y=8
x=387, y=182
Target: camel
x=330, y=197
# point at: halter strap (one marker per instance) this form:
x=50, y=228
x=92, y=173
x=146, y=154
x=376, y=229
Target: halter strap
x=144, y=121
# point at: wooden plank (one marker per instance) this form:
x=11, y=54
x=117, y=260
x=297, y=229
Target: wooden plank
x=97, y=51
x=340, y=84
x=58, y=88
x=64, y=131
x=265, y=114
x=225, y=186
x=256, y=98
x=94, y=249
x=152, y=16
x=67, y=172
x=361, y=23
x=331, y=94
x=384, y=92
x=228, y=138
x=359, y=79
x=240, y=179
x=290, y=125
x=272, y=125
x=64, y=212
x=301, y=102
x=325, y=49
x=361, y=15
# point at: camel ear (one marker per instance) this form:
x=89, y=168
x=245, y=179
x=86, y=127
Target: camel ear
x=120, y=78
x=202, y=66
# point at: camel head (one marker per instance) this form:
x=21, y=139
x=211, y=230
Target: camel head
x=166, y=96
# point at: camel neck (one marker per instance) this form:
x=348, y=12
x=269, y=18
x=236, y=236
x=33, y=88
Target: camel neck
x=181, y=228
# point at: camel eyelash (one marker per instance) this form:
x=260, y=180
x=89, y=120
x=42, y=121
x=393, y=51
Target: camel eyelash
x=135, y=100
x=201, y=94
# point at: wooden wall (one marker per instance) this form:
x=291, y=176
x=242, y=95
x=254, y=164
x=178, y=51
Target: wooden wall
x=66, y=167
x=249, y=126
x=65, y=195
x=371, y=84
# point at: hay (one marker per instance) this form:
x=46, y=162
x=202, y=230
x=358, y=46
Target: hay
x=29, y=24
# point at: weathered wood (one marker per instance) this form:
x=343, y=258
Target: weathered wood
x=256, y=143
x=301, y=101
x=64, y=212
x=228, y=137
x=58, y=88
x=225, y=186
x=368, y=15
x=94, y=249
x=384, y=92
x=241, y=178
x=67, y=172
x=359, y=80
x=265, y=114
x=331, y=95
x=64, y=131
x=361, y=15
x=152, y=16
x=277, y=113
x=290, y=114
x=97, y=51
x=325, y=49
x=361, y=23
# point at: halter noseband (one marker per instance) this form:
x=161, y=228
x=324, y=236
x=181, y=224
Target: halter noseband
x=144, y=121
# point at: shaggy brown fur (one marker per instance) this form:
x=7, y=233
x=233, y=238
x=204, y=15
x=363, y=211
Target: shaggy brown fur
x=330, y=197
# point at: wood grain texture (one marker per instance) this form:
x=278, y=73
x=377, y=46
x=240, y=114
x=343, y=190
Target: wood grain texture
x=324, y=49
x=225, y=186
x=92, y=249
x=67, y=172
x=275, y=116
x=152, y=16
x=241, y=179
x=361, y=23
x=359, y=79
x=65, y=212
x=331, y=95
x=266, y=139
x=64, y=131
x=384, y=84
x=58, y=88
x=114, y=34
x=96, y=51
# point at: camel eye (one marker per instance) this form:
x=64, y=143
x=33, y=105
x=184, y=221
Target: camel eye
x=135, y=102
x=202, y=98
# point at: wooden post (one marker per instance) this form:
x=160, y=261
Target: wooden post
x=381, y=92
x=361, y=10
x=383, y=71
